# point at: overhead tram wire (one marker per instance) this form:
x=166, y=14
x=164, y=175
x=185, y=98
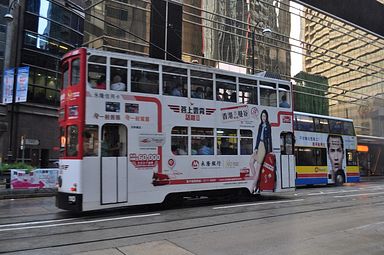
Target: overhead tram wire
x=331, y=16
x=116, y=26
x=283, y=42
x=109, y=23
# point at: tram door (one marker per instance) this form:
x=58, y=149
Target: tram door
x=114, y=172
x=287, y=166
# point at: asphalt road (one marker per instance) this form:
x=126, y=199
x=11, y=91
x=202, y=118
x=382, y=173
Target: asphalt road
x=319, y=220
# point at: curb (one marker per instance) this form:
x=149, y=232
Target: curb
x=26, y=193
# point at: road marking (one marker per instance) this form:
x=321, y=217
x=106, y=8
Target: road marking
x=34, y=223
x=81, y=222
x=332, y=192
x=253, y=204
x=362, y=194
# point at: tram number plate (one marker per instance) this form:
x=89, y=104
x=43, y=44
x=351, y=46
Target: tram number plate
x=72, y=199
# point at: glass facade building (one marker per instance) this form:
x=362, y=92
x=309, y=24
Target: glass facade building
x=336, y=67
x=44, y=30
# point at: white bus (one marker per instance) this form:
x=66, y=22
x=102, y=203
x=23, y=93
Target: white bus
x=135, y=130
x=325, y=150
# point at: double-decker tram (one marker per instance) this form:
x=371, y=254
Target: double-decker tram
x=325, y=150
x=137, y=130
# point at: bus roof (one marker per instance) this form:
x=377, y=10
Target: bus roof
x=322, y=116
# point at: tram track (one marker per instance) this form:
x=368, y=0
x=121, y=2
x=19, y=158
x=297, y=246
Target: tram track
x=163, y=226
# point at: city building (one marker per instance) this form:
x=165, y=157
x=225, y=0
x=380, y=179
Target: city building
x=39, y=34
x=336, y=63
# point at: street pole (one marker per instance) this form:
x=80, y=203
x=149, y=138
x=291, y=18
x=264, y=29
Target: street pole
x=265, y=31
x=9, y=18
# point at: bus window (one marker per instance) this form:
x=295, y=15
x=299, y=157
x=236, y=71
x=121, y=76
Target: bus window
x=306, y=156
x=352, y=158
x=90, y=141
x=72, y=141
x=202, y=141
x=348, y=128
x=321, y=156
x=201, y=85
x=336, y=126
x=321, y=125
x=114, y=140
x=75, y=72
x=246, y=142
x=226, y=88
x=118, y=79
x=304, y=123
x=96, y=76
x=179, y=141
x=144, y=82
x=226, y=141
x=268, y=95
x=65, y=75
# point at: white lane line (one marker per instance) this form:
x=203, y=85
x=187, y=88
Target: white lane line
x=367, y=226
x=253, y=204
x=332, y=192
x=81, y=222
x=361, y=194
x=33, y=223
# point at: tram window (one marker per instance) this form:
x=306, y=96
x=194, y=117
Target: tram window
x=97, y=59
x=75, y=72
x=179, y=141
x=204, y=81
x=65, y=75
x=145, y=82
x=268, y=95
x=202, y=141
x=90, y=141
x=200, y=74
x=146, y=66
x=304, y=123
x=284, y=96
x=174, y=70
x=201, y=88
x=226, y=91
x=96, y=76
x=175, y=85
x=62, y=141
x=72, y=141
x=248, y=94
x=246, y=142
x=321, y=125
x=118, y=62
x=352, y=158
x=226, y=141
x=118, y=79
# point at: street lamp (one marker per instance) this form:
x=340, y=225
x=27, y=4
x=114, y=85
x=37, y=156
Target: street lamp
x=265, y=31
x=9, y=19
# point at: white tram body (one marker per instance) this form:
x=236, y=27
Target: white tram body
x=148, y=128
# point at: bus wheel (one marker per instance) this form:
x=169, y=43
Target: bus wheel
x=339, y=179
